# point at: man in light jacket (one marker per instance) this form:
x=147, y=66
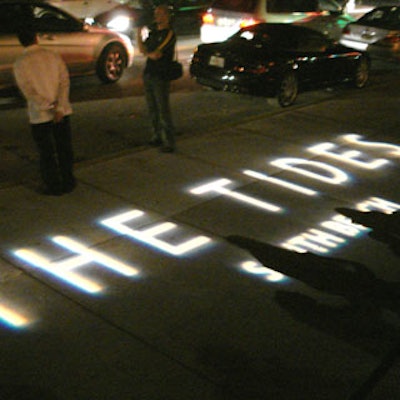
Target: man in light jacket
x=43, y=79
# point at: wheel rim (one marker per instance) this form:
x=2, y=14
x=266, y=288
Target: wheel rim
x=114, y=65
x=362, y=73
x=288, y=90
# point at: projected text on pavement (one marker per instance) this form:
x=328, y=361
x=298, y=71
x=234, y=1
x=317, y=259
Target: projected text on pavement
x=328, y=235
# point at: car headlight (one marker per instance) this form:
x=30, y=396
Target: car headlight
x=121, y=23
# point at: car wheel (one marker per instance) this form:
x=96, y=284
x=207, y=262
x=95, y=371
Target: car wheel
x=361, y=75
x=111, y=63
x=287, y=90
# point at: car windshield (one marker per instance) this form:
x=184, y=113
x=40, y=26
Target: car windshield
x=387, y=17
x=282, y=38
x=269, y=38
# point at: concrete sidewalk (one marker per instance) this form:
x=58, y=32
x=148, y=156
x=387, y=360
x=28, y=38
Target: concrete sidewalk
x=128, y=289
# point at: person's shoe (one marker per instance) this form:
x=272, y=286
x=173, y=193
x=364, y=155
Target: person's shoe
x=167, y=149
x=155, y=142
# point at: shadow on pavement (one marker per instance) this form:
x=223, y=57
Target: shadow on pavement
x=384, y=227
x=362, y=318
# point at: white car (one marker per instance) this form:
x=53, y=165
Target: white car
x=377, y=32
x=85, y=49
x=118, y=15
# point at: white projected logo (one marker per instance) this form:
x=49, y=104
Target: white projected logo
x=255, y=268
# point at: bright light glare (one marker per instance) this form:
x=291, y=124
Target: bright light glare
x=63, y=273
x=147, y=236
x=378, y=204
x=12, y=318
x=217, y=186
x=120, y=23
x=95, y=256
x=393, y=149
x=290, y=164
x=350, y=156
x=64, y=269
x=280, y=182
x=256, y=268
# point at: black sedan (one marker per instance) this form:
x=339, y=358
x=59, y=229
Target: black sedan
x=277, y=60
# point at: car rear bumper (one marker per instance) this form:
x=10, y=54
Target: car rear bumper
x=375, y=50
x=234, y=81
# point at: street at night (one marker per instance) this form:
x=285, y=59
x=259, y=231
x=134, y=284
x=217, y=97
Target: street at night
x=230, y=269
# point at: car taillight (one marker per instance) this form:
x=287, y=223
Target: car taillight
x=248, y=22
x=208, y=18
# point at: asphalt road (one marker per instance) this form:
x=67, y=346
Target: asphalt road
x=86, y=88
x=109, y=119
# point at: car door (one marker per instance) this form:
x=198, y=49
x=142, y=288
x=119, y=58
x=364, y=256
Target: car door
x=317, y=65
x=63, y=33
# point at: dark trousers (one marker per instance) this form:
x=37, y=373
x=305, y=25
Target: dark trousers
x=55, y=153
x=157, y=98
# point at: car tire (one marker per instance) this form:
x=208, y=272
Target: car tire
x=111, y=63
x=361, y=74
x=287, y=90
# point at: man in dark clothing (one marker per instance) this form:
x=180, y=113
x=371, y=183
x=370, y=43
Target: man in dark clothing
x=159, y=48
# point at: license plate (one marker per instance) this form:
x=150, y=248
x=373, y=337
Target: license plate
x=216, y=61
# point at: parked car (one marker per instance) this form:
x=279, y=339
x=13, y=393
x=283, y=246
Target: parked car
x=377, y=32
x=85, y=49
x=357, y=8
x=117, y=15
x=123, y=18
x=277, y=60
x=225, y=17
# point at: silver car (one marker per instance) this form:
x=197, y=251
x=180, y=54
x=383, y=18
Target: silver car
x=85, y=49
x=377, y=32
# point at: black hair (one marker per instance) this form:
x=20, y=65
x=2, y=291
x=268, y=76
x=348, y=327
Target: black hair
x=26, y=36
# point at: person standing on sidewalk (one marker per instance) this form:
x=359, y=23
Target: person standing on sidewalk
x=159, y=48
x=43, y=79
